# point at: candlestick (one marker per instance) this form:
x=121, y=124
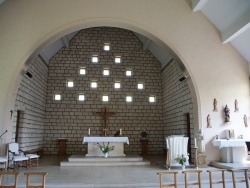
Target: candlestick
x=195, y=143
x=120, y=131
x=167, y=145
x=89, y=132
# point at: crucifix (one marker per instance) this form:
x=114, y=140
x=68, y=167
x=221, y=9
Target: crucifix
x=105, y=115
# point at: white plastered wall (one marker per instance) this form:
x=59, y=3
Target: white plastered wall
x=216, y=70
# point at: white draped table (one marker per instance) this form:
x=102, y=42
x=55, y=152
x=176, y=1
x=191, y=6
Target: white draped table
x=231, y=150
x=117, y=142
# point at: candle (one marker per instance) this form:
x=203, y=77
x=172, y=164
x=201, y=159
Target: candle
x=89, y=132
x=195, y=143
x=120, y=131
x=167, y=145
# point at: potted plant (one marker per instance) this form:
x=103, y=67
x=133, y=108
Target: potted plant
x=144, y=134
x=105, y=148
x=181, y=160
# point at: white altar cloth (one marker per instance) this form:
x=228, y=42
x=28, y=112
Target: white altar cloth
x=117, y=142
x=177, y=146
x=231, y=150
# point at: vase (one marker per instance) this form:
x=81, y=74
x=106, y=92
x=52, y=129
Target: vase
x=106, y=155
x=183, y=167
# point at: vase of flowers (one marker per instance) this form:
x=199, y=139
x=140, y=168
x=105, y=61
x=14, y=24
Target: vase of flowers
x=144, y=134
x=181, y=160
x=105, y=148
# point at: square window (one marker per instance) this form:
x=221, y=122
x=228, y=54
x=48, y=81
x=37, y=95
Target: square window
x=94, y=59
x=105, y=98
x=106, y=47
x=57, y=97
x=117, y=85
x=105, y=72
x=82, y=71
x=81, y=97
x=70, y=83
x=117, y=59
x=140, y=86
x=152, y=99
x=129, y=98
x=128, y=73
x=93, y=84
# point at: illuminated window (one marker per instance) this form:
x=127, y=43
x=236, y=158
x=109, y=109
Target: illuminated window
x=94, y=59
x=57, y=97
x=70, y=83
x=152, y=99
x=106, y=47
x=128, y=73
x=117, y=85
x=105, y=72
x=140, y=86
x=82, y=71
x=129, y=98
x=105, y=98
x=93, y=84
x=118, y=59
x=81, y=97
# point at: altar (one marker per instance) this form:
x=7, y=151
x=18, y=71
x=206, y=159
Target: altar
x=232, y=150
x=117, y=142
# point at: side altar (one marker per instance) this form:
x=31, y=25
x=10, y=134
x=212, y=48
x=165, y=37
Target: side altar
x=117, y=142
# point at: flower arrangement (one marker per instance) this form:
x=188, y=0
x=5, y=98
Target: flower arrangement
x=105, y=148
x=181, y=159
x=144, y=134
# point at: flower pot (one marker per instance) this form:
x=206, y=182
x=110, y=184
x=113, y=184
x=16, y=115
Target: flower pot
x=106, y=155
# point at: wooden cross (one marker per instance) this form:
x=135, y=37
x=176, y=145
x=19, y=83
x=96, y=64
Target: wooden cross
x=105, y=115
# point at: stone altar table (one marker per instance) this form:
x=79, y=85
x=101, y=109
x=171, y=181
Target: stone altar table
x=117, y=142
x=231, y=150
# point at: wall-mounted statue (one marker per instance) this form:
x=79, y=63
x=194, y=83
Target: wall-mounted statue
x=236, y=106
x=208, y=121
x=215, y=105
x=227, y=113
x=245, y=120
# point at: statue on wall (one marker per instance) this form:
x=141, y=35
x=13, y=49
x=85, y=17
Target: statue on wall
x=209, y=121
x=227, y=113
x=201, y=145
x=215, y=105
x=245, y=120
x=236, y=106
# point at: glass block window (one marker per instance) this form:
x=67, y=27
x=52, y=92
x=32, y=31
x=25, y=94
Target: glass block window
x=93, y=84
x=70, y=83
x=152, y=99
x=82, y=70
x=94, y=59
x=128, y=73
x=57, y=97
x=117, y=85
x=129, y=98
x=81, y=97
x=105, y=98
x=140, y=86
x=106, y=47
x=118, y=59
x=105, y=72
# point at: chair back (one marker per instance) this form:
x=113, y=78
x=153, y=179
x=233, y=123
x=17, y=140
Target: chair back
x=14, y=147
x=35, y=185
x=14, y=184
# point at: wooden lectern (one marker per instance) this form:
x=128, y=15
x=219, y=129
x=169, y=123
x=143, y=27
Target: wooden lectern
x=62, y=146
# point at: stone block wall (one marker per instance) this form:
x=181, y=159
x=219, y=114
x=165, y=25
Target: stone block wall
x=69, y=118
x=31, y=101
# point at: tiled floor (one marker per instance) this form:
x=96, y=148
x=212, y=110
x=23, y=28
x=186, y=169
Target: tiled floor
x=113, y=177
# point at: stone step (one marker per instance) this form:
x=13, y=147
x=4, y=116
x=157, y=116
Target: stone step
x=81, y=160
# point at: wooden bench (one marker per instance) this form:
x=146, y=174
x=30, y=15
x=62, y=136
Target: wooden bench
x=38, y=151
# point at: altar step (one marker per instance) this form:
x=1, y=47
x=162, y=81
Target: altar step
x=81, y=160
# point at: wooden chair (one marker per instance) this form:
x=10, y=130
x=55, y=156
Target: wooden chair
x=211, y=182
x=35, y=185
x=198, y=172
x=4, y=162
x=162, y=184
x=240, y=180
x=32, y=158
x=15, y=174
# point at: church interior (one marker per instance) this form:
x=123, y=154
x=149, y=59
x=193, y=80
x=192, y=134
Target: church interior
x=155, y=84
